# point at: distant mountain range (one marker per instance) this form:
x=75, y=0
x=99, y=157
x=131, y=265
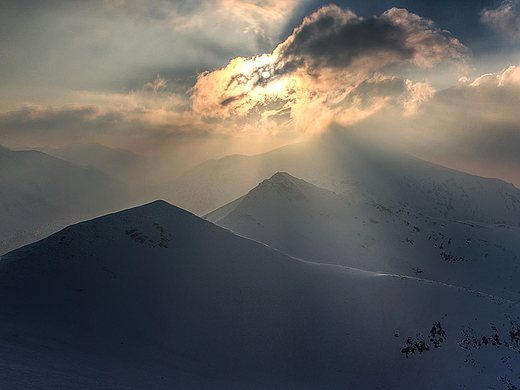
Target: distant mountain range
x=359, y=171
x=117, y=163
x=40, y=194
x=182, y=303
x=333, y=265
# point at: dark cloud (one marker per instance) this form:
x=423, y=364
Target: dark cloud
x=229, y=100
x=331, y=41
x=391, y=88
x=460, y=17
x=29, y=117
x=334, y=38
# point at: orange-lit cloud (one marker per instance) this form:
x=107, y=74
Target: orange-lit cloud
x=315, y=72
x=331, y=69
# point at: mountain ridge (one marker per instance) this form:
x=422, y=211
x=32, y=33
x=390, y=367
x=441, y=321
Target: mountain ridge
x=324, y=227
x=157, y=277
x=363, y=173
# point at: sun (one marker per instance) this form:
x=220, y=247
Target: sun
x=266, y=74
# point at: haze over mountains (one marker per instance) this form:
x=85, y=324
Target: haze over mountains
x=158, y=284
x=44, y=190
x=119, y=163
x=372, y=269
x=40, y=194
x=359, y=170
x=142, y=174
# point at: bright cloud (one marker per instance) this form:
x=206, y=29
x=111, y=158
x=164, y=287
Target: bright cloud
x=317, y=70
x=331, y=69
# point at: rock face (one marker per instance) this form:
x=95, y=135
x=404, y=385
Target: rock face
x=40, y=194
x=180, y=300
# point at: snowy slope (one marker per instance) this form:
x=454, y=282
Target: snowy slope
x=173, y=298
x=361, y=171
x=40, y=194
x=319, y=225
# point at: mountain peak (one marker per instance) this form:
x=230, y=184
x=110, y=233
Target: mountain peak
x=286, y=185
x=157, y=209
x=279, y=191
x=140, y=222
x=158, y=205
x=282, y=177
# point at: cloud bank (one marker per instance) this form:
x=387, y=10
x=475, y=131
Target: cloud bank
x=482, y=113
x=336, y=67
x=157, y=113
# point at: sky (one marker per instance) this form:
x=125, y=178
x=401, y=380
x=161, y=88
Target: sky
x=207, y=78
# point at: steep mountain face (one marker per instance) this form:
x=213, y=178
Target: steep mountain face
x=223, y=311
x=319, y=225
x=361, y=172
x=40, y=194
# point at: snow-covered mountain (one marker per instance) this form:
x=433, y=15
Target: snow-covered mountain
x=40, y=194
x=360, y=171
x=319, y=225
x=169, y=300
